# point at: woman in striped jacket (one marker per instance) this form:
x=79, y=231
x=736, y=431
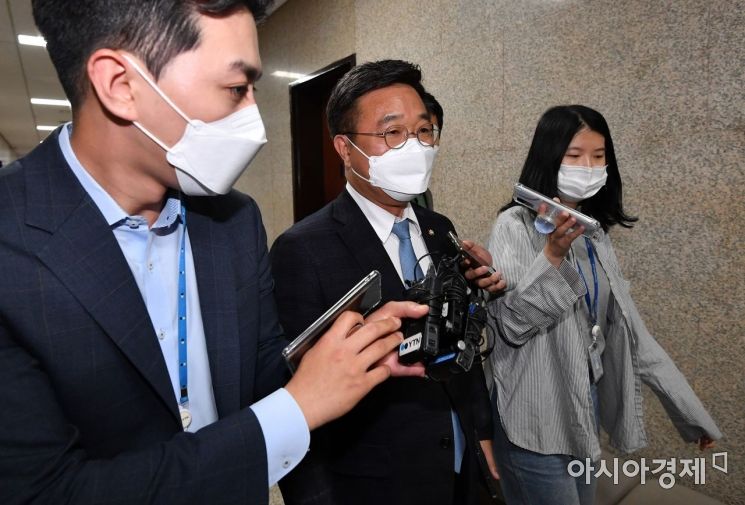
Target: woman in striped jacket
x=573, y=350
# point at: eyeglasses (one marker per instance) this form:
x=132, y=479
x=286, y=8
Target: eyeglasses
x=396, y=136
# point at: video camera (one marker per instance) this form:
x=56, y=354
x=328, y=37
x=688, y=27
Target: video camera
x=448, y=339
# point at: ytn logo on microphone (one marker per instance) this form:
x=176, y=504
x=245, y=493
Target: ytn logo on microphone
x=411, y=344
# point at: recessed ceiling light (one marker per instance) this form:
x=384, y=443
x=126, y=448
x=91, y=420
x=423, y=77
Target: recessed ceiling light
x=291, y=75
x=50, y=101
x=44, y=128
x=31, y=40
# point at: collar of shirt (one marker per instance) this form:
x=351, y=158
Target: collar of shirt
x=115, y=216
x=381, y=220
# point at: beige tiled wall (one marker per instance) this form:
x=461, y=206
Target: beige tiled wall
x=670, y=78
x=302, y=37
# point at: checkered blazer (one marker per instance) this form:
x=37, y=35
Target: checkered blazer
x=88, y=414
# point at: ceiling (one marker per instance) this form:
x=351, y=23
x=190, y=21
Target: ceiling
x=27, y=72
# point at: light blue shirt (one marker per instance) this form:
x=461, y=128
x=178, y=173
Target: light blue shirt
x=152, y=254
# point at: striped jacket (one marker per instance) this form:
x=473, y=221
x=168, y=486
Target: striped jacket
x=540, y=365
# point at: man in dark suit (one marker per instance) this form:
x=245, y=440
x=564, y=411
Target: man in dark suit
x=403, y=444
x=140, y=359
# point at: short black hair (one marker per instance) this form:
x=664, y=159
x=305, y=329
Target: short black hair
x=341, y=109
x=555, y=131
x=433, y=107
x=155, y=30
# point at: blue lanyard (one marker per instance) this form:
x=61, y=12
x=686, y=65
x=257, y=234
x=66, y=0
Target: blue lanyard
x=592, y=307
x=183, y=374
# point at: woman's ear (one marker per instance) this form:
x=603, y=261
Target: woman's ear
x=109, y=77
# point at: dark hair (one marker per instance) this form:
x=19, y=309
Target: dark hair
x=341, y=109
x=155, y=30
x=555, y=131
x=433, y=107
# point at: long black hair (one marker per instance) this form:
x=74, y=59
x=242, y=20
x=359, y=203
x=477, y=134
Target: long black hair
x=555, y=131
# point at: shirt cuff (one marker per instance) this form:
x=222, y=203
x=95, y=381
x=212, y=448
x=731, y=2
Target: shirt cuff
x=286, y=433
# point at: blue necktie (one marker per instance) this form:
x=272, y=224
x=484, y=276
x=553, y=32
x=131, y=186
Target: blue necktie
x=411, y=271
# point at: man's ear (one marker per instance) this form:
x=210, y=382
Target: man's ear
x=109, y=77
x=341, y=144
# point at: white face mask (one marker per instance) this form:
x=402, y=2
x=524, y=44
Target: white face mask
x=580, y=183
x=210, y=157
x=401, y=173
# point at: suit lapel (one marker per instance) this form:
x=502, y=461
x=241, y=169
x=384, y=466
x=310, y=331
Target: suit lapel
x=358, y=235
x=216, y=282
x=83, y=253
x=360, y=239
x=434, y=232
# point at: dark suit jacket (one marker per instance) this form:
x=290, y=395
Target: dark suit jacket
x=87, y=411
x=396, y=445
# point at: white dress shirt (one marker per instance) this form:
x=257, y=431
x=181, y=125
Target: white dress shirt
x=382, y=222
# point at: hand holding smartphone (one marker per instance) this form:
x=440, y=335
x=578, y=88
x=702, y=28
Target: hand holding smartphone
x=473, y=260
x=362, y=298
x=544, y=222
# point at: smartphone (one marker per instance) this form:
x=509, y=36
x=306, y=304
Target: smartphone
x=544, y=223
x=362, y=298
x=473, y=260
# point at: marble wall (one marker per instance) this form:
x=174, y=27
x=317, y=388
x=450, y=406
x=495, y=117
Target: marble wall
x=669, y=77
x=300, y=37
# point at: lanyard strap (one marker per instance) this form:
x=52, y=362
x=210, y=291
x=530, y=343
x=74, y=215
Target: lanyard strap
x=592, y=307
x=183, y=373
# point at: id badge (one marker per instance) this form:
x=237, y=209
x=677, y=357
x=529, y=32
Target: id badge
x=596, y=364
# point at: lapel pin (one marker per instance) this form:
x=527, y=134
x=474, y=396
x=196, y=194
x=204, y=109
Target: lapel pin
x=431, y=232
